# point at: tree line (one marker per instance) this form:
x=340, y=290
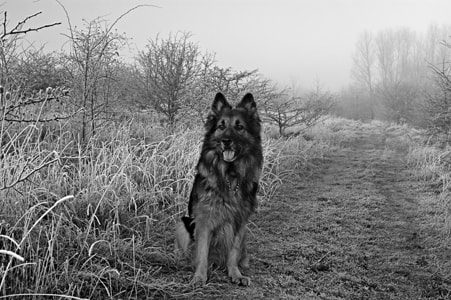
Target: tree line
x=402, y=76
x=171, y=79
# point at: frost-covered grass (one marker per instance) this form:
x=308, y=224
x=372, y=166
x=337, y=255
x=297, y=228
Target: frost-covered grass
x=96, y=220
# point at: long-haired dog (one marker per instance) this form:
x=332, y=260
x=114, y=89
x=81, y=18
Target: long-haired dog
x=224, y=192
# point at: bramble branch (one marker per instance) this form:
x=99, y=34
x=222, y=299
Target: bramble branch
x=18, y=28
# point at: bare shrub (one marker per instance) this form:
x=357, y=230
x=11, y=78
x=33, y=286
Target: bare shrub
x=304, y=111
x=438, y=102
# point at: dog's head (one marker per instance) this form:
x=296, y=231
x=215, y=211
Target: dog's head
x=233, y=133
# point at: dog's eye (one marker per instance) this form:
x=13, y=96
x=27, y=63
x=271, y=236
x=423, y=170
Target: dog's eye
x=221, y=127
x=239, y=127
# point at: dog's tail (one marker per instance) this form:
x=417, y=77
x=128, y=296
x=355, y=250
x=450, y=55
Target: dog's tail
x=184, y=235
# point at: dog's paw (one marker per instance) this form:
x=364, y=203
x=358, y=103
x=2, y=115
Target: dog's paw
x=198, y=280
x=244, y=263
x=241, y=280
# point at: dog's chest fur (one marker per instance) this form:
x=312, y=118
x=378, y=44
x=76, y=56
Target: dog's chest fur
x=230, y=206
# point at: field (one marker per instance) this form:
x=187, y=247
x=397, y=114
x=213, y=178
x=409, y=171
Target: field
x=348, y=210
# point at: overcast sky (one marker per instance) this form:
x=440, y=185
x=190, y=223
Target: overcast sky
x=289, y=41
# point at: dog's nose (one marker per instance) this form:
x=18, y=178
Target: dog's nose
x=226, y=143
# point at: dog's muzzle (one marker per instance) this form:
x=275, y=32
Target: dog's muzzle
x=228, y=151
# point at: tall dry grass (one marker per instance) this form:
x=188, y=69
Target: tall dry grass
x=96, y=220
x=432, y=164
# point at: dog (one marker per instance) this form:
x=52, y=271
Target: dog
x=224, y=192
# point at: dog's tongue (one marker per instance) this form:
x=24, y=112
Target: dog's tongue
x=229, y=155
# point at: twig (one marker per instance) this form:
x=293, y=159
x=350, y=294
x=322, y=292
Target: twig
x=23, y=175
x=34, y=29
x=16, y=30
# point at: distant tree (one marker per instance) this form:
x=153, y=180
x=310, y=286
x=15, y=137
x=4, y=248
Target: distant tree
x=292, y=110
x=363, y=70
x=399, y=100
x=91, y=63
x=126, y=87
x=435, y=51
x=232, y=83
x=282, y=112
x=354, y=103
x=389, y=69
x=263, y=89
x=202, y=92
x=399, y=73
x=170, y=70
x=37, y=70
x=19, y=74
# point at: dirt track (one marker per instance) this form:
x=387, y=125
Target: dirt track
x=351, y=230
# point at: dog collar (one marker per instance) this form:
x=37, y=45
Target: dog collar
x=229, y=185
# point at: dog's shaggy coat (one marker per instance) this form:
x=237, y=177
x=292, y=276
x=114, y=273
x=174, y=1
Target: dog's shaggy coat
x=224, y=192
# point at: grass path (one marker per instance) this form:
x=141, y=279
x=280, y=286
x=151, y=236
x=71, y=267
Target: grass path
x=354, y=229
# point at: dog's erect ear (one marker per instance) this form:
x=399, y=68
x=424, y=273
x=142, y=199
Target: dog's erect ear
x=219, y=103
x=248, y=103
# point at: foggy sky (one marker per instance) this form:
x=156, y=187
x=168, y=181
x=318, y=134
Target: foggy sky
x=290, y=41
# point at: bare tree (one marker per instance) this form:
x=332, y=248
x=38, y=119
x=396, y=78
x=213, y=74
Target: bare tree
x=37, y=70
x=200, y=95
x=435, y=52
x=170, y=69
x=230, y=82
x=363, y=72
x=389, y=68
x=364, y=60
x=10, y=40
x=19, y=115
x=398, y=99
x=90, y=62
x=15, y=105
x=292, y=110
x=399, y=75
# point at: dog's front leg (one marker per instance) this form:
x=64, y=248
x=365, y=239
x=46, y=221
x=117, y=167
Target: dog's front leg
x=236, y=254
x=202, y=238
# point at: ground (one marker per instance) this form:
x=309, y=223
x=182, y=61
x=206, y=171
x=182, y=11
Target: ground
x=353, y=228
